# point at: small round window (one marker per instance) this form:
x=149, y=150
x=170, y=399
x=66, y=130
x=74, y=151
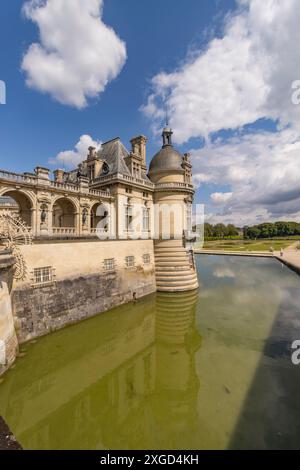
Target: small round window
x=105, y=168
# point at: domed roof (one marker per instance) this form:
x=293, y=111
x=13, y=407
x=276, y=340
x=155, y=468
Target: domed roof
x=168, y=158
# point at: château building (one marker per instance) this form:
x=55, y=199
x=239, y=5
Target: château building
x=100, y=235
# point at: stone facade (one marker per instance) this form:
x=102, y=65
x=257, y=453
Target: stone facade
x=174, y=257
x=73, y=203
x=8, y=338
x=68, y=273
x=40, y=311
x=80, y=284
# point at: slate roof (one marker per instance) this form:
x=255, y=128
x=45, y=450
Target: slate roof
x=113, y=153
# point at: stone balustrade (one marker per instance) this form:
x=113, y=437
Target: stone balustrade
x=131, y=179
x=29, y=178
x=97, y=192
x=174, y=186
x=18, y=177
x=64, y=230
x=65, y=186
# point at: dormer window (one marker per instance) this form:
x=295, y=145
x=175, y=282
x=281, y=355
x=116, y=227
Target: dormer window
x=136, y=170
x=105, y=169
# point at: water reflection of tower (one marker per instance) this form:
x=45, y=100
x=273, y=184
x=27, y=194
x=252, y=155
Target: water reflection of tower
x=177, y=384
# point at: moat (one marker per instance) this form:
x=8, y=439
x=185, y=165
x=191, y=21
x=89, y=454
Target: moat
x=206, y=369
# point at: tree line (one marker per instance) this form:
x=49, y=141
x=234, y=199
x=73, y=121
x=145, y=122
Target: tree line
x=220, y=231
x=271, y=230
x=264, y=230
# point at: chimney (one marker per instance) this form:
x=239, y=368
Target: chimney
x=43, y=175
x=59, y=176
x=92, y=153
x=138, y=145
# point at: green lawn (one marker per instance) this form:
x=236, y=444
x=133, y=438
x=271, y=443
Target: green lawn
x=248, y=245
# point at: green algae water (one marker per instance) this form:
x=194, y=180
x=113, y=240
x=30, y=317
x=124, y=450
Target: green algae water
x=209, y=369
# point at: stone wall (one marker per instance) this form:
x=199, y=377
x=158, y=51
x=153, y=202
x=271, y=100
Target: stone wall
x=82, y=258
x=8, y=338
x=81, y=288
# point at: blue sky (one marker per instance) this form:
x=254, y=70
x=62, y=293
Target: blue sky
x=35, y=128
x=223, y=102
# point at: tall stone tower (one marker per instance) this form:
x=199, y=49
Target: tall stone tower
x=173, y=195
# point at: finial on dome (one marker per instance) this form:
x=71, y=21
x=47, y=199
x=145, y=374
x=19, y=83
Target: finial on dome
x=167, y=114
x=167, y=131
x=167, y=137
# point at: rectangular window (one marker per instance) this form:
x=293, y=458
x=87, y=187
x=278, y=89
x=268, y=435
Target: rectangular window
x=129, y=261
x=146, y=258
x=43, y=275
x=128, y=217
x=136, y=170
x=92, y=172
x=109, y=264
x=189, y=217
x=145, y=218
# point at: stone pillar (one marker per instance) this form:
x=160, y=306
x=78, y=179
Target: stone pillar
x=83, y=184
x=112, y=223
x=81, y=228
x=34, y=222
x=43, y=176
x=77, y=216
x=59, y=176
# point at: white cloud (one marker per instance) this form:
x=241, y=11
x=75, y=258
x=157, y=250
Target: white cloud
x=69, y=159
x=239, y=78
x=263, y=171
x=77, y=54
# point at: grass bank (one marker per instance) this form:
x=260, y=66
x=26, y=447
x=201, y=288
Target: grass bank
x=248, y=245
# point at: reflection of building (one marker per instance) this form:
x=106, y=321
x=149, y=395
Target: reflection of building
x=125, y=380
x=177, y=341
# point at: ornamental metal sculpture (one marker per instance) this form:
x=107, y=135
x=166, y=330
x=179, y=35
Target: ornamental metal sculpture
x=13, y=233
